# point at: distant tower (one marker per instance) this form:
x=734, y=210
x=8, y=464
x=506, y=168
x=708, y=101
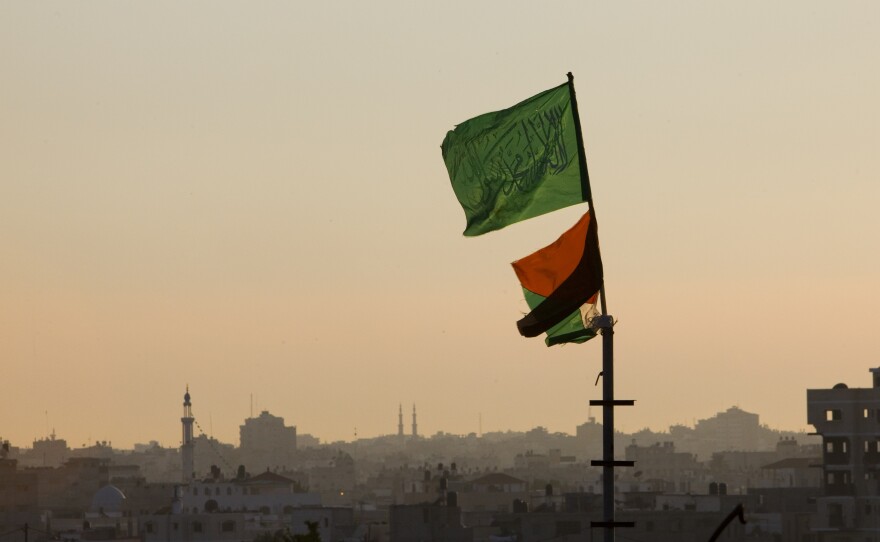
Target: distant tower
x=415, y=428
x=400, y=420
x=186, y=449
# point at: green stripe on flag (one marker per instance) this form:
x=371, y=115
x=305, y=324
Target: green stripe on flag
x=569, y=330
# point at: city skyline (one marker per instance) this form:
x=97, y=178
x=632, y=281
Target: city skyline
x=200, y=430
x=253, y=200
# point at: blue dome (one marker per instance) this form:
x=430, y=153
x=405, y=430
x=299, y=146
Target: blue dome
x=108, y=499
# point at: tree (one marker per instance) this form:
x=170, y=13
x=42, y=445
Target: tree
x=284, y=535
x=312, y=536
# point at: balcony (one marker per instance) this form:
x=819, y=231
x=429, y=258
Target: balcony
x=837, y=458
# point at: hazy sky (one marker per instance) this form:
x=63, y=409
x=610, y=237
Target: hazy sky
x=249, y=197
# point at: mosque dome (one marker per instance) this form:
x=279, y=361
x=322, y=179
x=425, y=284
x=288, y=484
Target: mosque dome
x=109, y=500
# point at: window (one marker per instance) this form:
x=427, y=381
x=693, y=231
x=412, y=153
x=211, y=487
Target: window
x=195, y=491
x=197, y=526
x=229, y=491
x=175, y=526
x=866, y=414
x=148, y=527
x=833, y=414
x=228, y=526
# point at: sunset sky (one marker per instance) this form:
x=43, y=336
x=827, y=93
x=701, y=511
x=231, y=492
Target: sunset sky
x=249, y=198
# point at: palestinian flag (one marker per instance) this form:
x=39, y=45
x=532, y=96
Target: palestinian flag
x=561, y=283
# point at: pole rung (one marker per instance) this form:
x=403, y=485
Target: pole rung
x=616, y=402
x=600, y=463
x=612, y=524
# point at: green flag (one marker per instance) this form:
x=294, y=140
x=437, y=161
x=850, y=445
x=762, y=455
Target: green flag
x=515, y=164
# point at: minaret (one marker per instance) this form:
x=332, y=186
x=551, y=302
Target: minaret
x=186, y=449
x=400, y=420
x=415, y=426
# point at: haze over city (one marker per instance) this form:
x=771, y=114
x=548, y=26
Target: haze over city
x=250, y=199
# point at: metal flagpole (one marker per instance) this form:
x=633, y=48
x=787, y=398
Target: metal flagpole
x=605, y=323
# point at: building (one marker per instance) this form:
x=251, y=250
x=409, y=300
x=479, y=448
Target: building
x=848, y=420
x=678, y=471
x=734, y=429
x=268, y=493
x=19, y=494
x=50, y=452
x=334, y=525
x=439, y=522
x=265, y=442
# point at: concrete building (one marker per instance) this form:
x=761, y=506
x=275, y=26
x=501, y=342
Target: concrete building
x=791, y=472
x=334, y=480
x=679, y=471
x=783, y=513
x=734, y=429
x=19, y=496
x=848, y=420
x=436, y=522
x=334, y=525
x=49, y=452
x=268, y=493
x=265, y=442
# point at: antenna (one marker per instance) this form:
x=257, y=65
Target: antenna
x=47, y=423
x=252, y=405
